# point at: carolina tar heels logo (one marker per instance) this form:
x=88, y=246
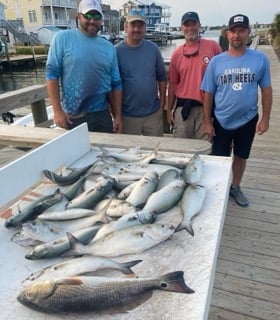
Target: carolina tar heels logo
x=237, y=86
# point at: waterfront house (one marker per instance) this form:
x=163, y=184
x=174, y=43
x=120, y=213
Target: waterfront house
x=24, y=19
x=155, y=13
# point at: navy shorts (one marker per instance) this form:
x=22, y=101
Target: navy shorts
x=100, y=121
x=239, y=140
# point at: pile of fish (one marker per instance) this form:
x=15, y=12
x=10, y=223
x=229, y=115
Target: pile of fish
x=119, y=205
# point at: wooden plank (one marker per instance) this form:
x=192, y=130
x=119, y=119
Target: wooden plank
x=247, y=306
x=252, y=230
x=249, y=288
x=245, y=271
x=249, y=258
x=34, y=137
x=222, y=314
x=21, y=97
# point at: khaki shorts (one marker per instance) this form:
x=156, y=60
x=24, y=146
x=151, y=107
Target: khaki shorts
x=151, y=125
x=192, y=127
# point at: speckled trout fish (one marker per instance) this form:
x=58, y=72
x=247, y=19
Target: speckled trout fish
x=83, y=294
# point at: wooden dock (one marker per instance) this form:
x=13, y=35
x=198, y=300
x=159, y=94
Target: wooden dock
x=247, y=280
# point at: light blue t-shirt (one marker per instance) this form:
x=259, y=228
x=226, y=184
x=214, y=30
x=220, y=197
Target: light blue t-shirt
x=141, y=68
x=87, y=67
x=234, y=81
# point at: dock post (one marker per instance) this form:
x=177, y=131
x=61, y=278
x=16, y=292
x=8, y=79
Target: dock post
x=39, y=112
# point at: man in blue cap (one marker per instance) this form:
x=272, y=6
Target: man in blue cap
x=187, y=66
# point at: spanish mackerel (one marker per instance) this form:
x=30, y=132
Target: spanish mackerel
x=83, y=294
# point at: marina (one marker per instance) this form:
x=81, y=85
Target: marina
x=246, y=282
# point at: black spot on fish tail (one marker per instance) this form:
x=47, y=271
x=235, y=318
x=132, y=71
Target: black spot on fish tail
x=174, y=282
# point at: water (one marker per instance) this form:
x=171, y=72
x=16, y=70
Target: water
x=21, y=77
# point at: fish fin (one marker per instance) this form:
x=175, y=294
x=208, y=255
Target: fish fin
x=174, y=282
x=127, y=265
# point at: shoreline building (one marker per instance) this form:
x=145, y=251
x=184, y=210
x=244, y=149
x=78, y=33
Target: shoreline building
x=26, y=21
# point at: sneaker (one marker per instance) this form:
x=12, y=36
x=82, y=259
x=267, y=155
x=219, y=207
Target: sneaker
x=237, y=194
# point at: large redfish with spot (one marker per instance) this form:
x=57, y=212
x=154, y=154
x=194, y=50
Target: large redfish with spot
x=83, y=294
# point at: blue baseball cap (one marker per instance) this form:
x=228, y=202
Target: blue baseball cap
x=191, y=15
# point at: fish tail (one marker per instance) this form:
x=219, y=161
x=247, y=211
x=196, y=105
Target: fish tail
x=174, y=282
x=187, y=227
x=126, y=266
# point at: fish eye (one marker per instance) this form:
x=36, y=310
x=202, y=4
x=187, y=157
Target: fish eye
x=163, y=285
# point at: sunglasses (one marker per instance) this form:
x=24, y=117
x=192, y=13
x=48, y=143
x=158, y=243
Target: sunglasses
x=137, y=13
x=94, y=14
x=191, y=54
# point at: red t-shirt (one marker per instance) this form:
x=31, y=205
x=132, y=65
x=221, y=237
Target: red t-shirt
x=187, y=72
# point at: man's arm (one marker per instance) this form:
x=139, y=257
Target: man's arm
x=170, y=102
x=162, y=93
x=60, y=118
x=116, y=109
x=207, y=114
x=263, y=124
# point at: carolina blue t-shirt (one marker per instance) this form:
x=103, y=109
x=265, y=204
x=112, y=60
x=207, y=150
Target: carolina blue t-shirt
x=87, y=67
x=140, y=69
x=234, y=81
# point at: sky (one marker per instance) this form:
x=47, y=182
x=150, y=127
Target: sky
x=216, y=12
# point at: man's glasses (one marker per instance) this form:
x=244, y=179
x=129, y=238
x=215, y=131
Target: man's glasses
x=137, y=13
x=94, y=14
x=188, y=54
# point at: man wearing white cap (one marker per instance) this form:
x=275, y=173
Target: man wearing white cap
x=143, y=78
x=87, y=68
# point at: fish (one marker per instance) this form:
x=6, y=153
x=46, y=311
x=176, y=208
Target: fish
x=65, y=180
x=126, y=221
x=191, y=204
x=167, y=177
x=23, y=239
x=125, y=192
x=143, y=189
x=89, y=198
x=175, y=161
x=87, y=265
x=135, y=239
x=47, y=230
x=32, y=210
x=117, y=208
x=67, y=214
x=83, y=293
x=55, y=248
x=166, y=198
x=123, y=156
x=193, y=170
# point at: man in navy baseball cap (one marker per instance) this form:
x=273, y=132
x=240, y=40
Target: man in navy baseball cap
x=191, y=15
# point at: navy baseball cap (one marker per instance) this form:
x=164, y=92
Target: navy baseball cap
x=239, y=20
x=191, y=15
